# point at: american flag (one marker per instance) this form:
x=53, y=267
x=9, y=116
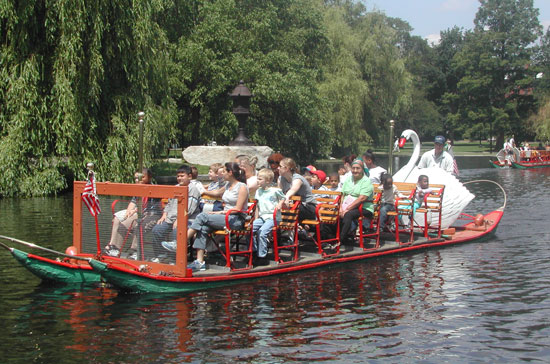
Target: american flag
x=89, y=196
x=455, y=167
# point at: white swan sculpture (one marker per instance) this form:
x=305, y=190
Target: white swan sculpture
x=455, y=198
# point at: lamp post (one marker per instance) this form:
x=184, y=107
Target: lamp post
x=141, y=115
x=241, y=109
x=390, y=155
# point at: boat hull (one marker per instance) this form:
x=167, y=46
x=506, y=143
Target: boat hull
x=498, y=164
x=528, y=165
x=63, y=272
x=132, y=280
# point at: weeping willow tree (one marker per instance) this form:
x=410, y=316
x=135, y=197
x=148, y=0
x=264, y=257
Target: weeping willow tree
x=73, y=75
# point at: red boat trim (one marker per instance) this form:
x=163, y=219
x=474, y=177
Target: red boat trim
x=287, y=268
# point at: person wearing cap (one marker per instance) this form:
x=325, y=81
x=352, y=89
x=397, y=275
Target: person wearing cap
x=437, y=157
x=307, y=172
x=318, y=178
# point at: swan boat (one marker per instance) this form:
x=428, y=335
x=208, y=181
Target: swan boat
x=456, y=196
x=83, y=262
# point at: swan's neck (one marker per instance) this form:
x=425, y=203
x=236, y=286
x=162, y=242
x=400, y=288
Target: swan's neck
x=416, y=151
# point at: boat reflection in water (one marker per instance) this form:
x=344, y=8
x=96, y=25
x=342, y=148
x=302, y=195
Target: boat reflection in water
x=276, y=319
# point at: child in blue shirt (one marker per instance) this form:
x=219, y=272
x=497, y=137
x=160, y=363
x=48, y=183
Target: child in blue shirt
x=268, y=198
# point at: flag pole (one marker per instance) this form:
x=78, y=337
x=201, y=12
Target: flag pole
x=390, y=152
x=90, y=167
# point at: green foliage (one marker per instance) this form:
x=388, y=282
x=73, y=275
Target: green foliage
x=495, y=88
x=326, y=75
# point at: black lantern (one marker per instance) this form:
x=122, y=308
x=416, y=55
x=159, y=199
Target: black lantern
x=241, y=109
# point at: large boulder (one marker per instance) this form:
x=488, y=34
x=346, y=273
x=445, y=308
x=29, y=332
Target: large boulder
x=206, y=155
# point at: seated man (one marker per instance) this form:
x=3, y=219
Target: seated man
x=167, y=224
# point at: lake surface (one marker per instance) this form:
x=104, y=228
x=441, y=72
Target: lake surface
x=481, y=302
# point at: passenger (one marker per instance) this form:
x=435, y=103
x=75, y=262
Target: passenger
x=345, y=170
x=318, y=178
x=307, y=172
x=437, y=157
x=248, y=164
x=387, y=202
x=294, y=184
x=334, y=181
x=167, y=224
x=422, y=189
x=215, y=174
x=268, y=199
x=126, y=221
x=356, y=191
x=375, y=171
x=273, y=161
x=234, y=194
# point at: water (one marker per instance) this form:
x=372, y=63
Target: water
x=480, y=302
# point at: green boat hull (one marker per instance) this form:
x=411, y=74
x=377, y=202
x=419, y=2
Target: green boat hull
x=50, y=271
x=531, y=166
x=140, y=284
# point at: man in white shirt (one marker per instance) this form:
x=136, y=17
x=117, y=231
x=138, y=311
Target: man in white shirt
x=437, y=157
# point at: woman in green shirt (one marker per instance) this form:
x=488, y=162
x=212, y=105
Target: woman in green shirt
x=356, y=191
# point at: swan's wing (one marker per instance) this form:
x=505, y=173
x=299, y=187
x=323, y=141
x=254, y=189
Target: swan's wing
x=455, y=197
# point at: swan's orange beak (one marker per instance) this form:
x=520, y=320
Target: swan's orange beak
x=402, y=142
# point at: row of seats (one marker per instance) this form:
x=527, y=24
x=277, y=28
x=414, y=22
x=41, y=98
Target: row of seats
x=285, y=231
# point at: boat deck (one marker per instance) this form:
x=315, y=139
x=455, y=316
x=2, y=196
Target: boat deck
x=308, y=254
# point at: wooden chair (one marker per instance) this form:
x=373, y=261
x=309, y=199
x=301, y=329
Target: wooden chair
x=432, y=205
x=287, y=223
x=236, y=238
x=404, y=207
x=374, y=226
x=327, y=212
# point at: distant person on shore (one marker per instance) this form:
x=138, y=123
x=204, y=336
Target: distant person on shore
x=375, y=171
x=437, y=157
x=449, y=147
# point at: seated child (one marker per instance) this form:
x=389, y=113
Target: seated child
x=215, y=173
x=268, y=198
x=318, y=177
x=422, y=189
x=168, y=221
x=387, y=202
x=334, y=182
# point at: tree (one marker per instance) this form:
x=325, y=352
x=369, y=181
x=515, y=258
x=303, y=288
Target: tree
x=73, y=77
x=496, y=83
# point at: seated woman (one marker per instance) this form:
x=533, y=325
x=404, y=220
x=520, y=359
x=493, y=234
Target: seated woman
x=356, y=191
x=248, y=164
x=235, y=196
x=292, y=183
